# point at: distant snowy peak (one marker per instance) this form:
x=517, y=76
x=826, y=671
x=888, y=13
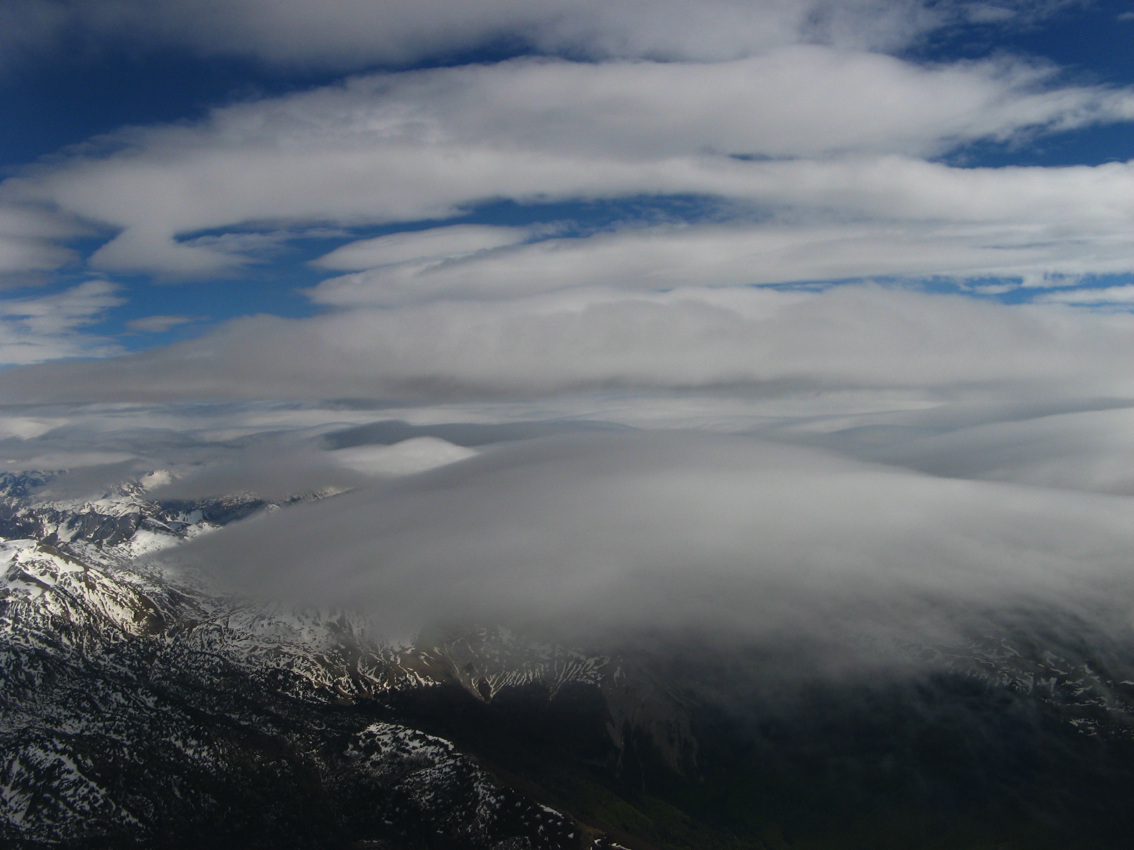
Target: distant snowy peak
x=115, y=526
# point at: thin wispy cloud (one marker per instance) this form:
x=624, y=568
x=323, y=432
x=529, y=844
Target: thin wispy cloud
x=1115, y=295
x=159, y=324
x=50, y=327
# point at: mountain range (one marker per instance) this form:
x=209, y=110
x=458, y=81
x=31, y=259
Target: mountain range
x=141, y=706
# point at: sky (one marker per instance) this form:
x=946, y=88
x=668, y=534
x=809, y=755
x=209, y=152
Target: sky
x=169, y=167
x=867, y=266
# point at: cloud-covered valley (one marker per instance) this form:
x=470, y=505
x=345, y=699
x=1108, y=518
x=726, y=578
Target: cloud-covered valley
x=603, y=538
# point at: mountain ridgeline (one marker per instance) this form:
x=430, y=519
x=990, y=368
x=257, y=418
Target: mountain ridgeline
x=142, y=708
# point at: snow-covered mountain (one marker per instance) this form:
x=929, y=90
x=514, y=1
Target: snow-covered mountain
x=141, y=708
x=138, y=709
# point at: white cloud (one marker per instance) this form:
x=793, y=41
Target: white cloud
x=349, y=34
x=430, y=246
x=428, y=145
x=803, y=100
x=27, y=427
x=1089, y=450
x=27, y=240
x=30, y=255
x=754, y=340
x=357, y=33
x=72, y=308
x=407, y=457
x=33, y=330
x=672, y=257
x=590, y=535
x=918, y=458
x=1123, y=295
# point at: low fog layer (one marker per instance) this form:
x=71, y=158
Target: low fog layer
x=858, y=520
x=593, y=536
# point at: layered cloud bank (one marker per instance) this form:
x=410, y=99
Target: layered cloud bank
x=817, y=154
x=752, y=341
x=760, y=318
x=844, y=528
x=816, y=180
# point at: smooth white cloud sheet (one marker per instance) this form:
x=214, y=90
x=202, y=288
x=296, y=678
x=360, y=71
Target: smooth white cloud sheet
x=604, y=535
